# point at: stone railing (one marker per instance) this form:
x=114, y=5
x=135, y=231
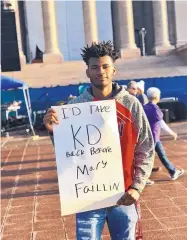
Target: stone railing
x=182, y=52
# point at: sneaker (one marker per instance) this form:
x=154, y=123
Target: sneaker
x=149, y=182
x=177, y=174
x=156, y=169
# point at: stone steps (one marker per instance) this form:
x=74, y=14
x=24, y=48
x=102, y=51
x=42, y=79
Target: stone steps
x=39, y=74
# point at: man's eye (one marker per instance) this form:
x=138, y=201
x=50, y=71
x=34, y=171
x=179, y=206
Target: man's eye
x=105, y=66
x=94, y=67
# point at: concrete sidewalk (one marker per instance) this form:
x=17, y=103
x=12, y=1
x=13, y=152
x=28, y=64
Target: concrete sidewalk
x=30, y=206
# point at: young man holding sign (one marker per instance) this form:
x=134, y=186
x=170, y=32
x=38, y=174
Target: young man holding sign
x=137, y=147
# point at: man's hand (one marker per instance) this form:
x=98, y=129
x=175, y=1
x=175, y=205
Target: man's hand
x=174, y=135
x=130, y=197
x=49, y=119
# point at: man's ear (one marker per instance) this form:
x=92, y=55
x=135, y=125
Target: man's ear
x=87, y=73
x=114, y=71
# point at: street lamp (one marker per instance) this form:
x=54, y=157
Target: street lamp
x=6, y=5
x=142, y=33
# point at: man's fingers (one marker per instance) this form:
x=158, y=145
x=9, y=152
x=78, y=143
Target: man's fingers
x=51, y=115
x=128, y=203
x=121, y=200
x=51, y=110
x=50, y=118
x=126, y=200
x=54, y=120
x=130, y=197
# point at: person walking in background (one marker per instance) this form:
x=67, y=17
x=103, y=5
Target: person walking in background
x=155, y=118
x=132, y=88
x=140, y=93
x=137, y=89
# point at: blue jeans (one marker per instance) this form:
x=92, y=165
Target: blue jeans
x=121, y=222
x=163, y=158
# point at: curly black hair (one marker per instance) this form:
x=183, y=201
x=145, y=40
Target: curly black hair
x=101, y=49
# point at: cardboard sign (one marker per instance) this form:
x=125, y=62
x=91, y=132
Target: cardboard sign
x=88, y=156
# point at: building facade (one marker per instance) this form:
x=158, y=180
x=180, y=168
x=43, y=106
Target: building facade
x=60, y=28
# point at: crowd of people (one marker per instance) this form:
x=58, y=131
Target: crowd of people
x=156, y=121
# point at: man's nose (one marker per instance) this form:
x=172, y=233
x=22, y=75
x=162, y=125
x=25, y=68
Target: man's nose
x=101, y=70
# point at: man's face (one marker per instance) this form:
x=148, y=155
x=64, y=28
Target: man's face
x=133, y=89
x=100, y=71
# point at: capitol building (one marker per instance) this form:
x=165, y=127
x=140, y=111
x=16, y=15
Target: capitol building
x=59, y=29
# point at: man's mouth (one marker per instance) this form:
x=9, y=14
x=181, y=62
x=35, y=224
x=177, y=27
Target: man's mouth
x=102, y=78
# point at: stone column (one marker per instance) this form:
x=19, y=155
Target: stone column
x=14, y=6
x=123, y=24
x=52, y=53
x=180, y=20
x=90, y=21
x=162, y=44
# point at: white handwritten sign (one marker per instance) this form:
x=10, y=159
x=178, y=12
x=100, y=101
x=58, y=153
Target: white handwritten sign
x=88, y=156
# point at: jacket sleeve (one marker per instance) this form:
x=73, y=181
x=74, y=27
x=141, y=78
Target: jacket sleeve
x=144, y=150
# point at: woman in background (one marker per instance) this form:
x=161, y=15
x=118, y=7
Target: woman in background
x=140, y=93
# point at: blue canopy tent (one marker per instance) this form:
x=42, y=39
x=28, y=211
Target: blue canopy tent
x=8, y=83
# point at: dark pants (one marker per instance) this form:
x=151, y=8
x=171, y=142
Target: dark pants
x=163, y=158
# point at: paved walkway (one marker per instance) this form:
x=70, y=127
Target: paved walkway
x=30, y=207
